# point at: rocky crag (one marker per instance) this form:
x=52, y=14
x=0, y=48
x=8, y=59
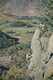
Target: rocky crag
x=40, y=62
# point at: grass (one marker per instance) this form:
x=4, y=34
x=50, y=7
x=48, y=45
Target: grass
x=23, y=33
x=24, y=37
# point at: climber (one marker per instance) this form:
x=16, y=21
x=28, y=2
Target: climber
x=42, y=25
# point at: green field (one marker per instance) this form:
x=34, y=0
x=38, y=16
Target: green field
x=24, y=33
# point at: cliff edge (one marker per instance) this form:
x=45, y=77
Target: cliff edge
x=41, y=61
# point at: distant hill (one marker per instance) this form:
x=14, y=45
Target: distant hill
x=6, y=40
x=20, y=8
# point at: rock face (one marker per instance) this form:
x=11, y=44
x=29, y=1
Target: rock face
x=41, y=62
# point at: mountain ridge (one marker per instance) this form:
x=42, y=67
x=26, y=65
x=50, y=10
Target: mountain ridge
x=21, y=8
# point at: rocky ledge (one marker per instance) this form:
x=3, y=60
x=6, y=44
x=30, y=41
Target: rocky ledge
x=40, y=62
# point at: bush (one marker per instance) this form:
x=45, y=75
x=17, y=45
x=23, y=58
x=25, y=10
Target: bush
x=18, y=24
x=7, y=41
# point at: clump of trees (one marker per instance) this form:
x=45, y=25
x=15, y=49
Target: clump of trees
x=21, y=24
x=49, y=11
x=17, y=24
x=48, y=20
x=17, y=70
x=7, y=41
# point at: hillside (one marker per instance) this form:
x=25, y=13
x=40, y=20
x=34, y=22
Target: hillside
x=11, y=9
x=22, y=8
x=26, y=40
x=7, y=41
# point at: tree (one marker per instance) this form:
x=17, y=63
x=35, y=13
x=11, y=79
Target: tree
x=49, y=11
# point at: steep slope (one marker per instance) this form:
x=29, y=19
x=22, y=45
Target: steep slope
x=41, y=60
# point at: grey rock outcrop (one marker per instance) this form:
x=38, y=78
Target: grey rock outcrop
x=42, y=57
